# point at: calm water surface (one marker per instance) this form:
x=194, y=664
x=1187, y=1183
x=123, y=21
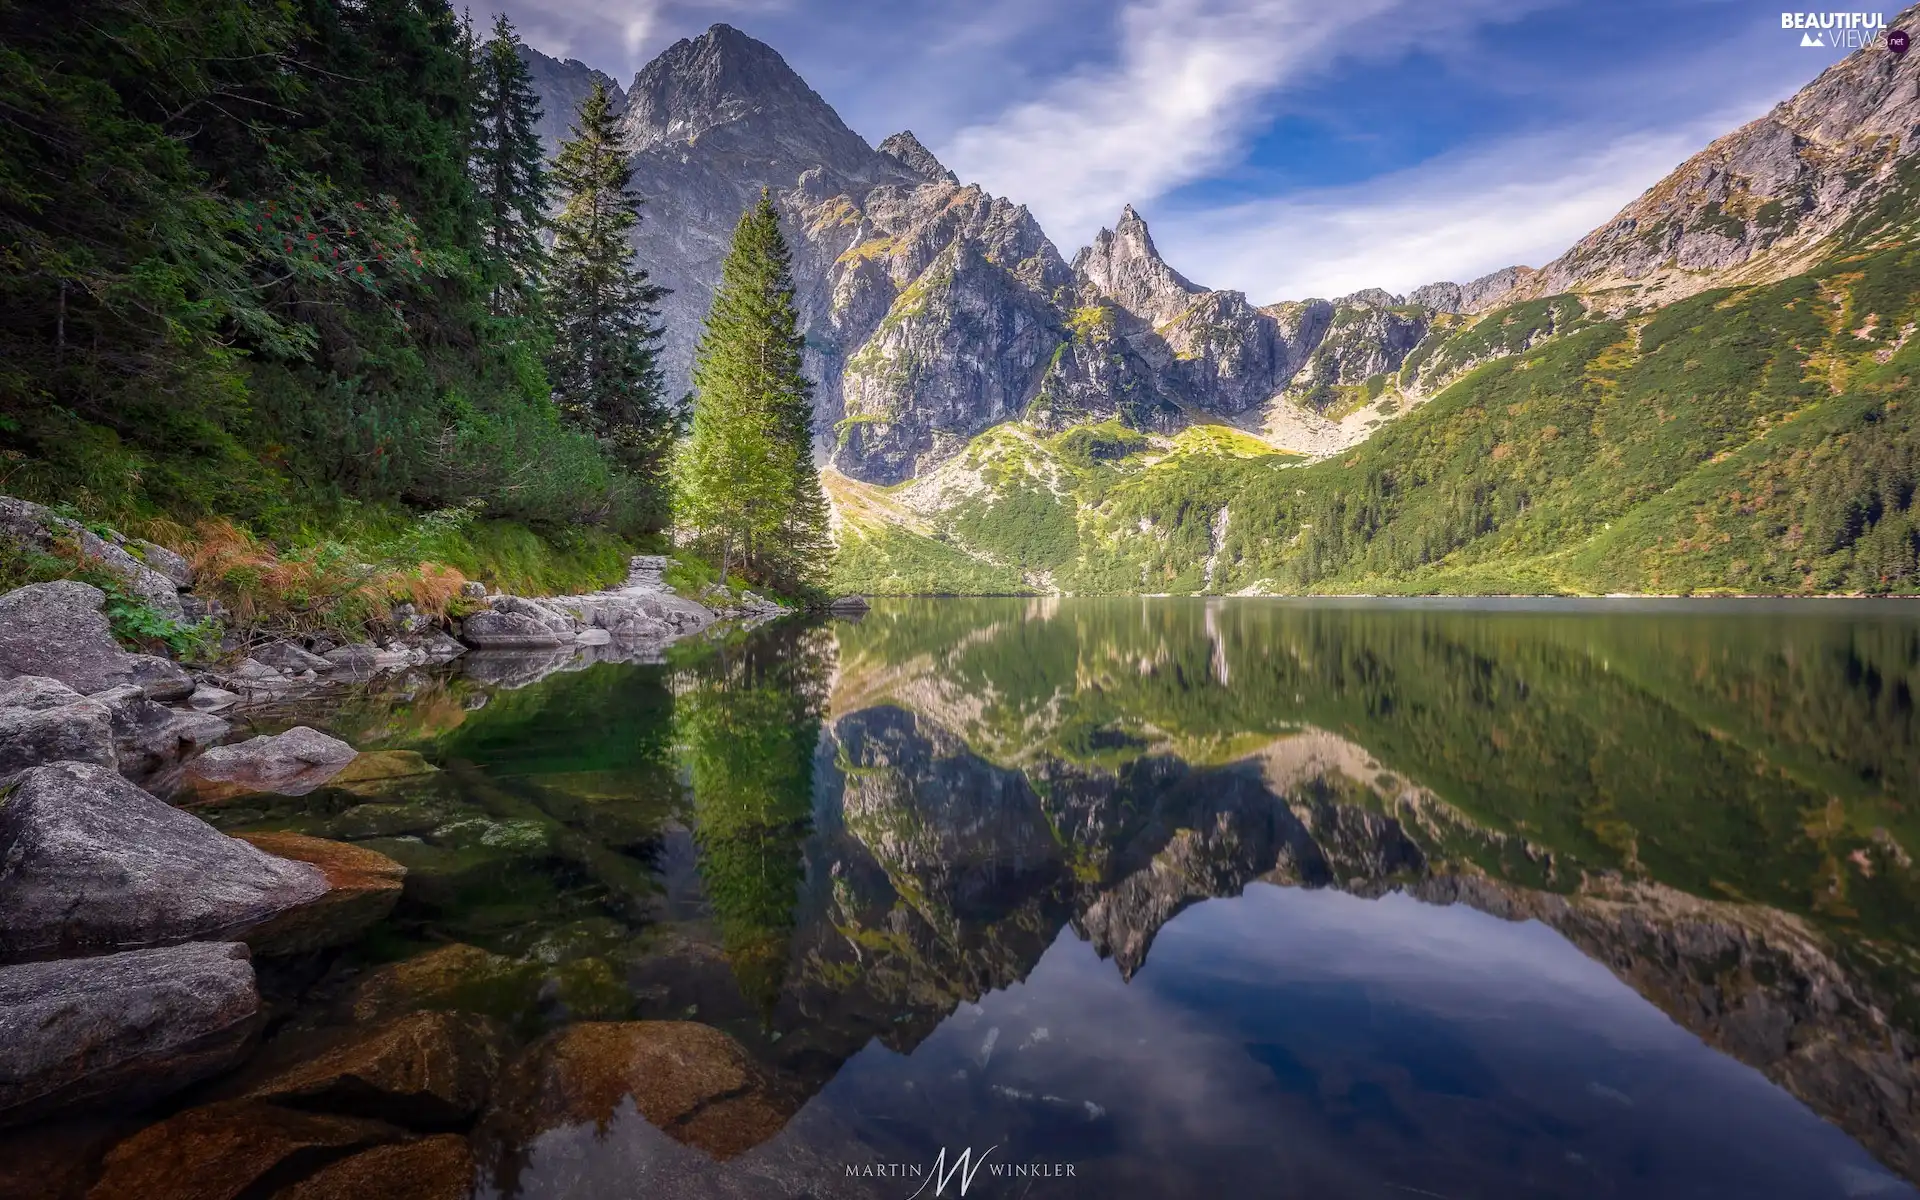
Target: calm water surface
x=1194, y=898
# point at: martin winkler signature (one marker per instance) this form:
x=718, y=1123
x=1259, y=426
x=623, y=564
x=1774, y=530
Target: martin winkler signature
x=954, y=1177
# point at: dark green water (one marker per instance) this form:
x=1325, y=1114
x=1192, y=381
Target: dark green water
x=1202, y=898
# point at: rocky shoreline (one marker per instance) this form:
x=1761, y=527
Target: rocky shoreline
x=132, y=932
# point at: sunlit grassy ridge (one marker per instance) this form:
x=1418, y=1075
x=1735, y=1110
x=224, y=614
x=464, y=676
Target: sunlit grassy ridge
x=1757, y=439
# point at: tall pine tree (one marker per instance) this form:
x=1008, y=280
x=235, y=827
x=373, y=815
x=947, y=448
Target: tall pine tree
x=509, y=171
x=605, y=366
x=747, y=481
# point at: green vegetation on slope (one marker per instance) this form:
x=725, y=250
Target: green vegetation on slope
x=1759, y=439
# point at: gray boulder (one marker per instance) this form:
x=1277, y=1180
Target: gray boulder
x=36, y=526
x=149, y=736
x=285, y=656
x=550, y=613
x=58, y=630
x=124, y=1029
x=289, y=764
x=207, y=698
x=43, y=720
x=511, y=631
x=353, y=660
x=89, y=863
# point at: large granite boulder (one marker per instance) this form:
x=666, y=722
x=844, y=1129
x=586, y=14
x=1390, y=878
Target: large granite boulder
x=511, y=631
x=40, y=528
x=123, y=1029
x=149, y=736
x=691, y=1080
x=59, y=630
x=229, y=1150
x=287, y=764
x=89, y=863
x=43, y=720
x=362, y=888
x=427, y=1070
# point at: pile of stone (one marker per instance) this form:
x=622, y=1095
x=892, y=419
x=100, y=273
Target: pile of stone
x=128, y=926
x=642, y=610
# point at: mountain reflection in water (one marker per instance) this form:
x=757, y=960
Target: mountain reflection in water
x=1280, y=898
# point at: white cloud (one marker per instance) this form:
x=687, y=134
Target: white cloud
x=1182, y=96
x=1524, y=200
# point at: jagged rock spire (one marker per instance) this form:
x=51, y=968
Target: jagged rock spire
x=1125, y=267
x=909, y=152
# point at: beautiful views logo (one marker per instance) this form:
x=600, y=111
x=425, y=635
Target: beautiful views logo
x=945, y=1178
x=1835, y=30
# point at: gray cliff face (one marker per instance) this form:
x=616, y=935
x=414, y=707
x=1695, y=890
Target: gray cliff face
x=563, y=85
x=1363, y=340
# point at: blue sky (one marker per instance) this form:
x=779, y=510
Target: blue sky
x=1283, y=147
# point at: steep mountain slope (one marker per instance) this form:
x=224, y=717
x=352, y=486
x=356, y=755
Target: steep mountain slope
x=1761, y=203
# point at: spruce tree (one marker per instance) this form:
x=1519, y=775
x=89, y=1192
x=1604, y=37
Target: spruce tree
x=747, y=480
x=509, y=170
x=605, y=367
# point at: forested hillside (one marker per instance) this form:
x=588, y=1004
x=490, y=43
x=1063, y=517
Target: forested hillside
x=251, y=269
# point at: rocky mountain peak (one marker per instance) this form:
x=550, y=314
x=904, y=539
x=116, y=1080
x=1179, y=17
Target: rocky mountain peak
x=1124, y=265
x=726, y=87
x=907, y=150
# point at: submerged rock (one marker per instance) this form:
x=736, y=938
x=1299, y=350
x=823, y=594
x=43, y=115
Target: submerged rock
x=433, y=1168
x=454, y=977
x=123, y=1028
x=288, y=764
x=228, y=1150
x=692, y=1081
x=43, y=720
x=89, y=863
x=362, y=888
x=58, y=630
x=426, y=1070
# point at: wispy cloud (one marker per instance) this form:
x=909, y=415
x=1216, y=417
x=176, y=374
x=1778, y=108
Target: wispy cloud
x=1521, y=200
x=1182, y=96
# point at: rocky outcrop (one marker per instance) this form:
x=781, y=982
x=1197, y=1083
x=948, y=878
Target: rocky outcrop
x=89, y=863
x=1488, y=291
x=122, y=1029
x=287, y=764
x=151, y=573
x=642, y=610
x=59, y=630
x=692, y=1081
